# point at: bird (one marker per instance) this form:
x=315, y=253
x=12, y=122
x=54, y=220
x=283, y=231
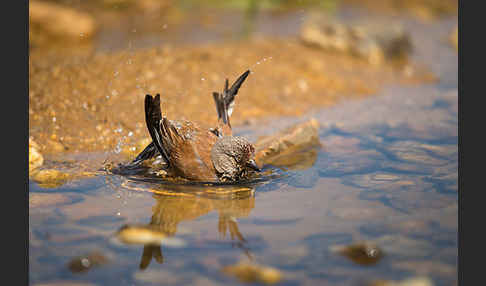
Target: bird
x=197, y=154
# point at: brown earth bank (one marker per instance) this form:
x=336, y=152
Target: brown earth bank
x=94, y=102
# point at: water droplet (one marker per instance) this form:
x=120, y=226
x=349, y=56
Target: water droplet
x=118, y=213
x=130, y=134
x=85, y=262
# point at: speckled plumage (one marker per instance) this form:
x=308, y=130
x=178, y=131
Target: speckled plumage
x=195, y=153
x=230, y=155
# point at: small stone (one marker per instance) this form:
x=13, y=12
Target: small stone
x=360, y=253
x=35, y=157
x=416, y=281
x=253, y=273
x=50, y=178
x=87, y=262
x=136, y=234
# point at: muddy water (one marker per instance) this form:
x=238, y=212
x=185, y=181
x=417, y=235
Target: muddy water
x=386, y=175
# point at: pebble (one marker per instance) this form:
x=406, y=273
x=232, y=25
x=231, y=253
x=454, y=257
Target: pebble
x=135, y=234
x=360, y=253
x=84, y=263
x=50, y=178
x=253, y=273
x=35, y=157
x=415, y=281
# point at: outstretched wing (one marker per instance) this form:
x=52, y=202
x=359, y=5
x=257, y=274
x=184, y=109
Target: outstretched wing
x=225, y=102
x=229, y=95
x=149, y=152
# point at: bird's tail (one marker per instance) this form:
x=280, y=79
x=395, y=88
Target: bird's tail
x=153, y=117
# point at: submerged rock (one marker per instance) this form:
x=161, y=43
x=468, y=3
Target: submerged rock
x=416, y=281
x=253, y=273
x=374, y=42
x=35, y=157
x=50, y=178
x=84, y=263
x=360, y=253
x=281, y=148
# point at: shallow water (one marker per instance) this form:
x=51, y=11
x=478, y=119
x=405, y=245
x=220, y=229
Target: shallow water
x=387, y=174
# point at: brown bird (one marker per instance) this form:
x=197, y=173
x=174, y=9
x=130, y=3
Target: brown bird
x=194, y=153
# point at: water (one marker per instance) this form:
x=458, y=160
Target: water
x=387, y=174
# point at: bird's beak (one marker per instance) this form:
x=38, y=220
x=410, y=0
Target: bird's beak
x=252, y=165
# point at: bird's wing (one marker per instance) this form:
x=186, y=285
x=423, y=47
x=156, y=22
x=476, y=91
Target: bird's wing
x=225, y=102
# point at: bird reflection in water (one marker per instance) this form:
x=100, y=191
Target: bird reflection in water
x=178, y=203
